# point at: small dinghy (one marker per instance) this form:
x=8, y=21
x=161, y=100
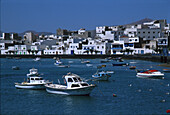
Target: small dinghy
x=15, y=68
x=37, y=59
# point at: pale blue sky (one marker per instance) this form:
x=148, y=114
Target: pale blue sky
x=48, y=15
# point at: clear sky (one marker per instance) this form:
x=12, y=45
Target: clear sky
x=48, y=15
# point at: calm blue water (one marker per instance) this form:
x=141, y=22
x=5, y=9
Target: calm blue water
x=136, y=99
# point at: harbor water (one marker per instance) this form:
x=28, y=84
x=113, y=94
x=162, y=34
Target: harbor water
x=133, y=95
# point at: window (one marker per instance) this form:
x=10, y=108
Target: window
x=153, y=32
x=32, y=78
x=84, y=84
x=143, y=32
x=37, y=79
x=97, y=47
x=79, y=79
x=138, y=32
x=102, y=47
x=41, y=78
x=148, y=32
x=75, y=85
x=153, y=36
x=136, y=40
x=148, y=36
x=75, y=79
x=90, y=42
x=70, y=80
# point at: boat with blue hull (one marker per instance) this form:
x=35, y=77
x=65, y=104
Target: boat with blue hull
x=74, y=85
x=102, y=75
x=34, y=81
x=119, y=62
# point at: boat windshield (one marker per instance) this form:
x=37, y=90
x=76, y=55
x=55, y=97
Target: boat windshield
x=75, y=79
x=79, y=79
x=33, y=70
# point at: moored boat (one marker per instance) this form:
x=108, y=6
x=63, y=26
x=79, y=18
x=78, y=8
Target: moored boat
x=33, y=72
x=166, y=70
x=74, y=85
x=132, y=67
x=15, y=68
x=85, y=61
x=32, y=82
x=37, y=59
x=119, y=62
x=102, y=75
x=150, y=74
x=58, y=62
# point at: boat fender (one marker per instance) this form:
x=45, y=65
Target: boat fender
x=64, y=81
x=150, y=89
x=114, y=95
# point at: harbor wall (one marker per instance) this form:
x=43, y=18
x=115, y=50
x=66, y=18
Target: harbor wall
x=165, y=59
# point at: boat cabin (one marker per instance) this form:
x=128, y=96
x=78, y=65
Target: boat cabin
x=33, y=72
x=36, y=80
x=74, y=81
x=101, y=74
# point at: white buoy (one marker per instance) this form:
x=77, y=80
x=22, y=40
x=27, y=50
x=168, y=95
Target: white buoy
x=163, y=100
x=167, y=93
x=150, y=89
x=139, y=90
x=168, y=84
x=130, y=85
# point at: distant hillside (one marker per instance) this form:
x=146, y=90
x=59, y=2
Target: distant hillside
x=141, y=21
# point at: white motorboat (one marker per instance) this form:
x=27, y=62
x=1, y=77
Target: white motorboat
x=64, y=66
x=33, y=72
x=15, y=68
x=102, y=75
x=32, y=82
x=58, y=62
x=37, y=59
x=89, y=65
x=85, y=61
x=150, y=74
x=73, y=86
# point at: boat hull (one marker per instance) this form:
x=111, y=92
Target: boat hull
x=119, y=64
x=156, y=76
x=79, y=91
x=25, y=86
x=104, y=78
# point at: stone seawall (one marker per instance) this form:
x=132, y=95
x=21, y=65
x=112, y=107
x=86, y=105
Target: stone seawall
x=137, y=57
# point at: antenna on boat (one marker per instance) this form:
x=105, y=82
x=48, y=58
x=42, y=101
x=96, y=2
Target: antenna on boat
x=58, y=81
